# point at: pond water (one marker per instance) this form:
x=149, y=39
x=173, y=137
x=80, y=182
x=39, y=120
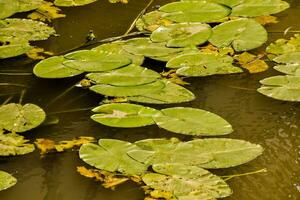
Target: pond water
x=258, y=119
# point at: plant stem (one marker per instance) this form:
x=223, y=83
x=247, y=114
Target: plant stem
x=7, y=100
x=22, y=96
x=228, y=177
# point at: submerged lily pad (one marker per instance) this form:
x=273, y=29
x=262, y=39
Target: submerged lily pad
x=6, y=180
x=53, y=67
x=254, y=8
x=130, y=75
x=118, y=91
x=116, y=48
x=186, y=182
x=194, y=11
x=147, y=48
x=203, y=64
x=93, y=61
x=286, y=88
x=19, y=118
x=68, y=3
x=124, y=115
x=242, y=34
x=111, y=155
x=171, y=93
x=191, y=121
x=182, y=34
x=12, y=144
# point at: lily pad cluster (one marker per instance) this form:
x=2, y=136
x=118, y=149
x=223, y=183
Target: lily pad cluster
x=188, y=121
x=177, y=167
x=6, y=180
x=286, y=54
x=17, y=33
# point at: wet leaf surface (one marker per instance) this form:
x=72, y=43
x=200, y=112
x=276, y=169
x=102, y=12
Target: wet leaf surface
x=6, y=180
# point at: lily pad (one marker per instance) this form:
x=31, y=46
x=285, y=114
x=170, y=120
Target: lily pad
x=186, y=50
x=283, y=46
x=292, y=61
x=111, y=155
x=124, y=115
x=191, y=121
x=20, y=118
x=130, y=75
x=118, y=91
x=147, y=48
x=182, y=34
x=12, y=144
x=171, y=93
x=53, y=67
x=242, y=34
x=186, y=182
x=151, y=21
x=12, y=50
x=8, y=8
x=68, y=3
x=28, y=5
x=6, y=180
x=116, y=48
x=285, y=88
x=93, y=61
x=203, y=64
x=254, y=8
x=194, y=11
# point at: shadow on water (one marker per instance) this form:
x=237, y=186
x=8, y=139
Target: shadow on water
x=258, y=119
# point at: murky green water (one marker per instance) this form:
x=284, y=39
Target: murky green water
x=256, y=118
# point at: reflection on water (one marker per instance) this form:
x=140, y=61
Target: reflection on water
x=258, y=119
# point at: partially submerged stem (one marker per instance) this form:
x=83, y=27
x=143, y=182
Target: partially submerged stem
x=61, y=95
x=228, y=177
x=7, y=100
x=15, y=74
x=22, y=96
x=71, y=111
x=13, y=84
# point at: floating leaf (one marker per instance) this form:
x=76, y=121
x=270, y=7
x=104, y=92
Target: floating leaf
x=46, y=12
x=118, y=91
x=187, y=182
x=252, y=63
x=145, y=47
x=194, y=11
x=12, y=144
x=242, y=34
x=229, y=3
x=203, y=64
x=68, y=3
x=186, y=50
x=124, y=115
x=151, y=21
x=171, y=93
x=19, y=118
x=253, y=8
x=111, y=155
x=38, y=53
x=54, y=68
x=116, y=48
x=44, y=145
x=27, y=5
x=6, y=180
x=182, y=34
x=14, y=49
x=285, y=88
x=268, y=19
x=283, y=46
x=291, y=61
x=8, y=8
x=93, y=61
x=130, y=75
x=191, y=121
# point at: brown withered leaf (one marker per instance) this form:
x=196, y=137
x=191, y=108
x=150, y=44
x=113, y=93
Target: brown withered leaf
x=212, y=49
x=44, y=145
x=118, y=1
x=46, y=12
x=253, y=63
x=264, y=20
x=38, y=53
x=173, y=77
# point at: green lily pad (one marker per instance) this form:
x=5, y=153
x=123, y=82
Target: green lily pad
x=182, y=34
x=292, y=61
x=191, y=121
x=151, y=21
x=124, y=115
x=229, y=3
x=118, y=91
x=254, y=8
x=12, y=50
x=28, y=5
x=93, y=61
x=68, y=3
x=242, y=34
x=130, y=75
x=147, y=48
x=194, y=11
x=186, y=182
x=171, y=93
x=19, y=118
x=186, y=50
x=12, y=144
x=203, y=64
x=6, y=180
x=8, y=8
x=116, y=48
x=285, y=88
x=111, y=155
x=53, y=67
x=283, y=46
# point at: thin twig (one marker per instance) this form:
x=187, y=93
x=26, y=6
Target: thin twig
x=15, y=74
x=228, y=177
x=7, y=100
x=61, y=95
x=71, y=111
x=131, y=27
x=13, y=84
x=240, y=88
x=22, y=96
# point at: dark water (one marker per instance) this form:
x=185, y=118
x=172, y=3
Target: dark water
x=256, y=118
